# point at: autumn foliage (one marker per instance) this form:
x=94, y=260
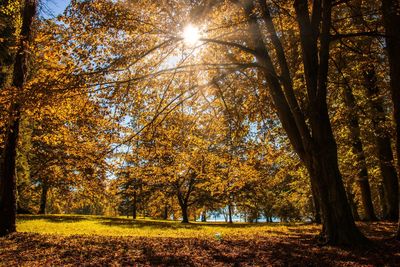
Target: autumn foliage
x=242, y=110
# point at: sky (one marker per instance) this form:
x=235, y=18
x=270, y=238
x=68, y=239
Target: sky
x=53, y=8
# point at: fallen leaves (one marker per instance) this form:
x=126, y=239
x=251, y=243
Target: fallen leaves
x=28, y=249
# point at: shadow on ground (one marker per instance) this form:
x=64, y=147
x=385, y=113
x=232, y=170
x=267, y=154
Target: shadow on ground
x=125, y=222
x=34, y=249
x=56, y=218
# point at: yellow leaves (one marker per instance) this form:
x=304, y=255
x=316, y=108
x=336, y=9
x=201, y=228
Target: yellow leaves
x=12, y=9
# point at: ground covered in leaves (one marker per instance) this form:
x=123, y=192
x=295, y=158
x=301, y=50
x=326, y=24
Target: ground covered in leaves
x=282, y=245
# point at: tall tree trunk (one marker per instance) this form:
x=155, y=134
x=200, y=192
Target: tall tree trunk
x=377, y=115
x=358, y=150
x=384, y=149
x=353, y=121
x=8, y=178
x=338, y=221
x=43, y=198
x=391, y=19
x=321, y=155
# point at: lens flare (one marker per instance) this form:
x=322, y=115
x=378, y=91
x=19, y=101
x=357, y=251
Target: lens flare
x=191, y=35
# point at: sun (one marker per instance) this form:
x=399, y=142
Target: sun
x=191, y=35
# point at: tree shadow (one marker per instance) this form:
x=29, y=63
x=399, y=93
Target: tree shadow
x=129, y=223
x=273, y=228
x=249, y=225
x=56, y=218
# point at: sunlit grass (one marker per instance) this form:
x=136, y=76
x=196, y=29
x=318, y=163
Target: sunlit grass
x=121, y=226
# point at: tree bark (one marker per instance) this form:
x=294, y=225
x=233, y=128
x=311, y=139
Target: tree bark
x=391, y=19
x=43, y=198
x=338, y=222
x=8, y=178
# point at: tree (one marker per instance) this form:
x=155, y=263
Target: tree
x=391, y=20
x=315, y=145
x=358, y=150
x=20, y=72
x=375, y=107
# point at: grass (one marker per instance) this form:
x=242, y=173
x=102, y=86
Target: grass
x=120, y=226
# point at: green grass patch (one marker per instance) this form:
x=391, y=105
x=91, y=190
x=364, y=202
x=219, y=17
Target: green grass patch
x=122, y=226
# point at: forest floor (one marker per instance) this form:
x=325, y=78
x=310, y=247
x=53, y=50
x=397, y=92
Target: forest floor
x=94, y=241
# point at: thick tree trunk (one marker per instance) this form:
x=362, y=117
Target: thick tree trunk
x=391, y=19
x=43, y=198
x=338, y=221
x=7, y=178
x=358, y=150
x=185, y=216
